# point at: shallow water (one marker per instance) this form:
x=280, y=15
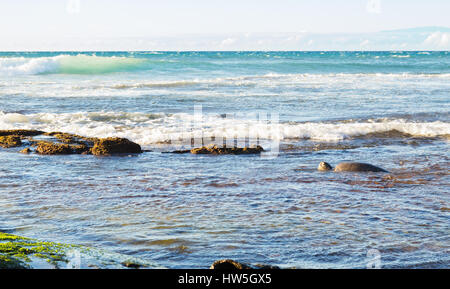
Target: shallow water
x=186, y=211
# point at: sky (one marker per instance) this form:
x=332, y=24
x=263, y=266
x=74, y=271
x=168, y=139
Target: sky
x=223, y=25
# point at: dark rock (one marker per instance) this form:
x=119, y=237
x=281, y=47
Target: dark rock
x=25, y=151
x=180, y=152
x=110, y=146
x=11, y=263
x=215, y=150
x=131, y=264
x=81, y=149
x=229, y=264
x=10, y=141
x=21, y=132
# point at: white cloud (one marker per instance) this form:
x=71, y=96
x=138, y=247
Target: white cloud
x=438, y=40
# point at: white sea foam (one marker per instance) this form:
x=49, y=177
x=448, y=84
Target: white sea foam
x=273, y=79
x=401, y=56
x=148, y=129
x=22, y=65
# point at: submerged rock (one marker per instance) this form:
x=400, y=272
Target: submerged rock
x=71, y=138
x=115, y=145
x=228, y=264
x=10, y=141
x=215, y=150
x=131, y=264
x=25, y=151
x=18, y=252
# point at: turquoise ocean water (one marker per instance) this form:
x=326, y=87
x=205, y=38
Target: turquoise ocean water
x=386, y=108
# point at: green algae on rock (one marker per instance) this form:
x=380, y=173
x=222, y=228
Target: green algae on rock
x=18, y=252
x=115, y=145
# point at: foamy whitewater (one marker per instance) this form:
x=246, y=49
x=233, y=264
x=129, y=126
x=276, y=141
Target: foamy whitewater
x=386, y=108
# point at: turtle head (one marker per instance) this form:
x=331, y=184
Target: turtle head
x=323, y=166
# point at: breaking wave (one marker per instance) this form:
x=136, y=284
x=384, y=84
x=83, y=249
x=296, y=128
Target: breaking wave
x=150, y=128
x=68, y=64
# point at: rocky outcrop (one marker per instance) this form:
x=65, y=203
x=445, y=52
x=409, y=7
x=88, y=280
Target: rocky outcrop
x=216, y=150
x=21, y=132
x=60, y=143
x=17, y=252
x=49, y=148
x=115, y=145
x=228, y=264
x=10, y=141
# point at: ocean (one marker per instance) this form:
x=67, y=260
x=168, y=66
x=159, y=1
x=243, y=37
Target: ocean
x=389, y=109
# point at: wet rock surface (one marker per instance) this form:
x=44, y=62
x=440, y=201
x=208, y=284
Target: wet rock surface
x=110, y=146
x=71, y=138
x=49, y=148
x=17, y=252
x=216, y=150
x=25, y=151
x=21, y=132
x=10, y=141
x=228, y=264
x=60, y=143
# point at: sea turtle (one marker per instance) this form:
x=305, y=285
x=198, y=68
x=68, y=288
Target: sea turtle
x=350, y=167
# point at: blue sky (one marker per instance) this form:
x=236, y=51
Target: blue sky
x=221, y=25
